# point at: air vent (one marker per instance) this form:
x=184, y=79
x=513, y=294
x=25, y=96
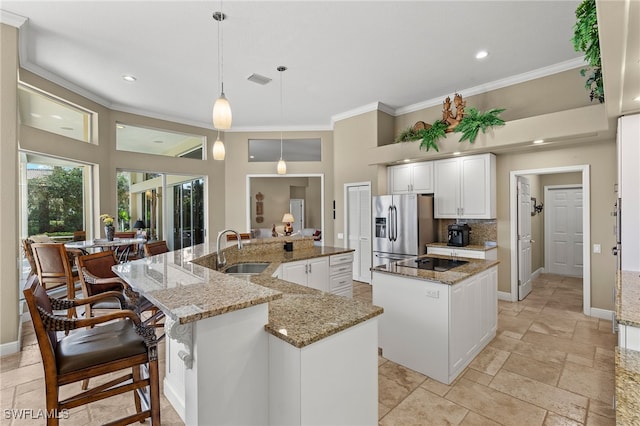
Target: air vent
x=260, y=79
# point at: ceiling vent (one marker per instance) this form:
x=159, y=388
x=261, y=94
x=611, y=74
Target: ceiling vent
x=260, y=79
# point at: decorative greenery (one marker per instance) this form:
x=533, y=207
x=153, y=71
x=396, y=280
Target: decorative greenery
x=586, y=39
x=474, y=120
x=408, y=135
x=431, y=135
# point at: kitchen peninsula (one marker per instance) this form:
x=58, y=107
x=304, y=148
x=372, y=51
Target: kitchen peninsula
x=257, y=349
x=439, y=313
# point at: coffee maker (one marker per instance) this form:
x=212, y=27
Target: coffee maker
x=458, y=235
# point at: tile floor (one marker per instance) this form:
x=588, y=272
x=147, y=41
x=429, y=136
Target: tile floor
x=548, y=365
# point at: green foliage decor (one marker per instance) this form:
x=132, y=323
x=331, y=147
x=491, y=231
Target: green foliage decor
x=431, y=135
x=586, y=39
x=474, y=120
x=408, y=135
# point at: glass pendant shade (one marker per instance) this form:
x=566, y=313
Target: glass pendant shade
x=282, y=167
x=218, y=150
x=222, y=113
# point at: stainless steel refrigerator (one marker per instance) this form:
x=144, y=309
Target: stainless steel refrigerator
x=403, y=225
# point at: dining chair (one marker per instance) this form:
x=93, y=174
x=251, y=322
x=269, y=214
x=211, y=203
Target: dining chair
x=54, y=267
x=94, y=347
x=97, y=276
x=79, y=235
x=155, y=247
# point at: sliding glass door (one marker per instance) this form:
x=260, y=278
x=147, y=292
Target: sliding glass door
x=187, y=217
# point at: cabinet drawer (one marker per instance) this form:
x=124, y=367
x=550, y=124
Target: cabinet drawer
x=473, y=254
x=341, y=258
x=345, y=268
x=339, y=282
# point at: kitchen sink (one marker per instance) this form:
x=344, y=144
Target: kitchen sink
x=432, y=263
x=246, y=268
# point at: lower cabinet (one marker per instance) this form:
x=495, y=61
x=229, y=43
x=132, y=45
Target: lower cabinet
x=341, y=274
x=433, y=328
x=312, y=273
x=331, y=274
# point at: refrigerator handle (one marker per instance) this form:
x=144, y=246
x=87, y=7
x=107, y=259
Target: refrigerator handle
x=389, y=219
x=395, y=223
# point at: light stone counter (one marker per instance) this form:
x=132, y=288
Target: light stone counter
x=627, y=387
x=628, y=298
x=450, y=277
x=184, y=284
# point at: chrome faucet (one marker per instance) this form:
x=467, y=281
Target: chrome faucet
x=221, y=261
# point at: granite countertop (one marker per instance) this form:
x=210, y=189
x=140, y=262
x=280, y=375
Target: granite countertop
x=628, y=298
x=184, y=284
x=627, y=387
x=449, y=277
x=477, y=247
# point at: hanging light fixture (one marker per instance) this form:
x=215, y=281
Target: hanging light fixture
x=282, y=166
x=218, y=149
x=221, y=108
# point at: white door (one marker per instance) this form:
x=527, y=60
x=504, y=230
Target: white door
x=296, y=207
x=524, y=237
x=358, y=209
x=563, y=230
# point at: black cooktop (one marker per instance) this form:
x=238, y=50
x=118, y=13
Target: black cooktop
x=432, y=263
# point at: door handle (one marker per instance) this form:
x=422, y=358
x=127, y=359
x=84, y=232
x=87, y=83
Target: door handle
x=614, y=251
x=532, y=241
x=395, y=223
x=389, y=219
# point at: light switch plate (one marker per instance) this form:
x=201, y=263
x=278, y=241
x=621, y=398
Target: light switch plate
x=596, y=248
x=340, y=235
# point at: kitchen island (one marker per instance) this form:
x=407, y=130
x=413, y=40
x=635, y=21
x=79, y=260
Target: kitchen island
x=436, y=321
x=259, y=350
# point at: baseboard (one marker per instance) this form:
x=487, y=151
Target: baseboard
x=601, y=313
x=503, y=295
x=174, y=398
x=537, y=272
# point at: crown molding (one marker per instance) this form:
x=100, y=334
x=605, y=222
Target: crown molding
x=304, y=128
x=374, y=106
x=13, y=19
x=498, y=84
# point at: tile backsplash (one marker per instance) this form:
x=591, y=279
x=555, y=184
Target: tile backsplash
x=481, y=230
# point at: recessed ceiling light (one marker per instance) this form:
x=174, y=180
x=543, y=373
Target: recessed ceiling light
x=538, y=141
x=637, y=99
x=128, y=77
x=119, y=126
x=482, y=54
x=406, y=160
x=456, y=153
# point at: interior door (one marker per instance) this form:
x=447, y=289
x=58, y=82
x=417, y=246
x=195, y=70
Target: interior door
x=524, y=237
x=564, y=213
x=359, y=230
x=296, y=207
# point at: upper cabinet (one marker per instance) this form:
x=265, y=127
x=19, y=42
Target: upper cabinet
x=465, y=187
x=629, y=190
x=414, y=178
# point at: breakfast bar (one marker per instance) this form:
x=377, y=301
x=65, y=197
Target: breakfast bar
x=256, y=349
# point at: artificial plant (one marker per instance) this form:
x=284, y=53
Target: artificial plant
x=409, y=134
x=586, y=39
x=431, y=135
x=474, y=121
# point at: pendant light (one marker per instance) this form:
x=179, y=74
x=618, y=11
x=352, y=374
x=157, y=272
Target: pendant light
x=282, y=166
x=218, y=149
x=221, y=108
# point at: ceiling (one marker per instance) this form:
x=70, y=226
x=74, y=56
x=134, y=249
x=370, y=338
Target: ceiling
x=343, y=56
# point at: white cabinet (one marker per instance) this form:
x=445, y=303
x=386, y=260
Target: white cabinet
x=312, y=273
x=465, y=187
x=491, y=254
x=414, y=178
x=629, y=190
x=433, y=328
x=341, y=274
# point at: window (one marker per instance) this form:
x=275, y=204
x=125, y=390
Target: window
x=46, y=112
x=268, y=150
x=159, y=142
